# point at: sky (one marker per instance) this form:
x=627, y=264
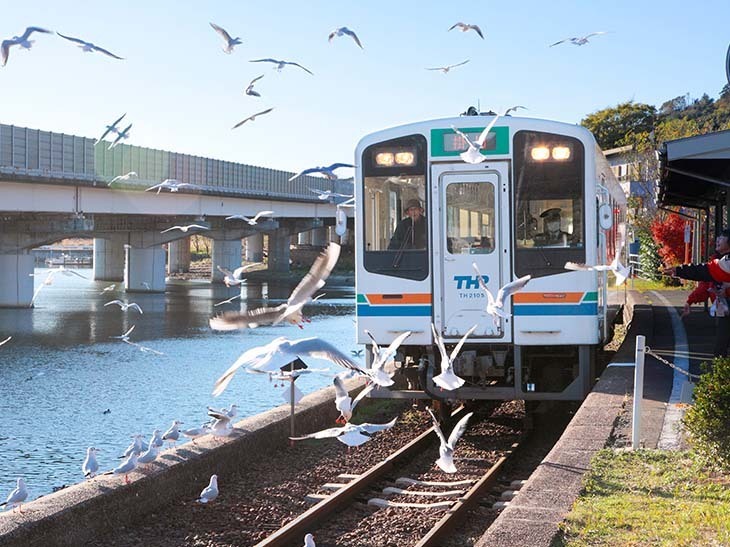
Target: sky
x=183, y=93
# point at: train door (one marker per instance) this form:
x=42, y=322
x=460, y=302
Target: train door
x=470, y=227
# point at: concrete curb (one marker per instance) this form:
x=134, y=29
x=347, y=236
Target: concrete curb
x=533, y=516
x=76, y=515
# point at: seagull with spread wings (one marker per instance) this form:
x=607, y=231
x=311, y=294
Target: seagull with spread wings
x=495, y=306
x=465, y=27
x=89, y=47
x=128, y=176
x=21, y=41
x=514, y=109
x=383, y=357
x=124, y=134
x=235, y=277
x=251, y=221
x=579, y=40
x=124, y=306
x=110, y=129
x=328, y=171
x=6, y=341
x=349, y=434
x=448, y=379
x=472, y=154
x=173, y=185
x=447, y=447
x=252, y=117
x=281, y=64
x=620, y=271
x=250, y=90
x=447, y=68
x=186, y=228
x=344, y=31
x=230, y=43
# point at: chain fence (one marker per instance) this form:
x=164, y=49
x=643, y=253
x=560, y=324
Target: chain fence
x=691, y=377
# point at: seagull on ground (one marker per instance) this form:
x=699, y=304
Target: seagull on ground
x=126, y=467
x=328, y=171
x=291, y=310
x=90, y=465
x=119, y=178
x=196, y=432
x=579, y=40
x=17, y=496
x=110, y=129
x=472, y=154
x=89, y=47
x=344, y=403
x=495, y=306
x=173, y=433
x=349, y=434
x=250, y=90
x=186, y=228
x=344, y=31
x=514, y=109
x=465, y=27
x=230, y=43
x=309, y=541
x=445, y=69
x=252, y=117
x=232, y=278
x=173, y=185
x=251, y=221
x=210, y=492
x=124, y=306
x=620, y=271
x=280, y=64
x=446, y=448
x=21, y=41
x=280, y=352
x=6, y=341
x=124, y=134
x=448, y=379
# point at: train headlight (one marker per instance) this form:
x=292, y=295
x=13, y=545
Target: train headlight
x=405, y=158
x=384, y=159
x=540, y=153
x=561, y=153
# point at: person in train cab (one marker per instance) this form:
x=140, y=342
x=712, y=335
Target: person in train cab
x=410, y=233
x=552, y=234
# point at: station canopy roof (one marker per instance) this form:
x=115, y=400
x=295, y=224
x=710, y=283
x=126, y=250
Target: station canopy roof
x=695, y=171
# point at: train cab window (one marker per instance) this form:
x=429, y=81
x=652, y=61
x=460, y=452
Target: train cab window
x=469, y=218
x=395, y=219
x=549, y=202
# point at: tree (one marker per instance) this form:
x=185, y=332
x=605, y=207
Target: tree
x=620, y=124
x=669, y=237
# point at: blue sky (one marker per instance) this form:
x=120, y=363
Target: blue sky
x=183, y=93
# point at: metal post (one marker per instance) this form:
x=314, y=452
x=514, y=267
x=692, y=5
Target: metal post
x=638, y=391
x=291, y=395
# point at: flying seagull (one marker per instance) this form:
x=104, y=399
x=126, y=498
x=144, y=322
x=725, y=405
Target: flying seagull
x=280, y=64
x=124, y=134
x=118, y=178
x=6, y=341
x=252, y=117
x=124, y=306
x=328, y=171
x=231, y=278
x=21, y=41
x=344, y=403
x=210, y=492
x=349, y=434
x=514, y=109
x=291, y=310
x=172, y=184
x=250, y=90
x=448, y=380
x=186, y=228
x=382, y=357
x=446, y=447
x=495, y=306
x=344, y=31
x=580, y=40
x=110, y=129
x=620, y=271
x=89, y=47
x=472, y=154
x=465, y=27
x=230, y=43
x=251, y=221
x=445, y=69
x=109, y=288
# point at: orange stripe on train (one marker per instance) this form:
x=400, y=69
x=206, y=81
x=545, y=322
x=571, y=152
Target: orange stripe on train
x=548, y=297
x=398, y=298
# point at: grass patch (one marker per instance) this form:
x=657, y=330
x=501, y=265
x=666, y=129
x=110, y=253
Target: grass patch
x=645, y=498
x=644, y=285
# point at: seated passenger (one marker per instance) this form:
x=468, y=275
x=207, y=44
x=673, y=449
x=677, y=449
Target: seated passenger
x=552, y=234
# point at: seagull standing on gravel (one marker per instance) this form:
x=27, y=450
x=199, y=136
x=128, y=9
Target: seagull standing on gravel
x=344, y=31
x=124, y=306
x=465, y=27
x=210, y=492
x=90, y=465
x=495, y=306
x=309, y=541
x=446, y=447
x=119, y=178
x=186, y=228
x=230, y=43
x=173, y=185
x=251, y=221
x=281, y=64
x=472, y=154
x=21, y=41
x=349, y=434
x=579, y=40
x=291, y=310
x=252, y=117
x=448, y=379
x=447, y=68
x=328, y=171
x=17, y=496
x=250, y=90
x=89, y=47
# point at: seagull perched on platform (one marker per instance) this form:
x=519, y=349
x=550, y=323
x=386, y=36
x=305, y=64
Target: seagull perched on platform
x=210, y=492
x=118, y=178
x=232, y=278
x=89, y=47
x=230, y=43
x=186, y=228
x=251, y=221
x=252, y=117
x=465, y=27
x=448, y=380
x=349, y=434
x=328, y=171
x=472, y=154
x=173, y=432
x=124, y=306
x=344, y=403
x=580, y=40
x=90, y=465
x=291, y=310
x=196, y=432
x=21, y=41
x=149, y=455
x=121, y=135
x=222, y=426
x=110, y=129
x=17, y=496
x=344, y=31
x=250, y=90
x=446, y=447
x=126, y=467
x=280, y=64
x=495, y=305
x=447, y=68
x=173, y=185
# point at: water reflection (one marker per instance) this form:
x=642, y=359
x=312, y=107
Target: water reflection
x=61, y=371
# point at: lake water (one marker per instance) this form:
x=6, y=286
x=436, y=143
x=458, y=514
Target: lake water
x=61, y=371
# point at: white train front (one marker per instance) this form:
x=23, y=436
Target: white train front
x=544, y=195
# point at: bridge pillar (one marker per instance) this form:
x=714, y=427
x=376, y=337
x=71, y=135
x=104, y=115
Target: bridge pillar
x=16, y=284
x=178, y=256
x=109, y=258
x=304, y=238
x=320, y=237
x=279, y=250
x=255, y=248
x=144, y=269
x=226, y=254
